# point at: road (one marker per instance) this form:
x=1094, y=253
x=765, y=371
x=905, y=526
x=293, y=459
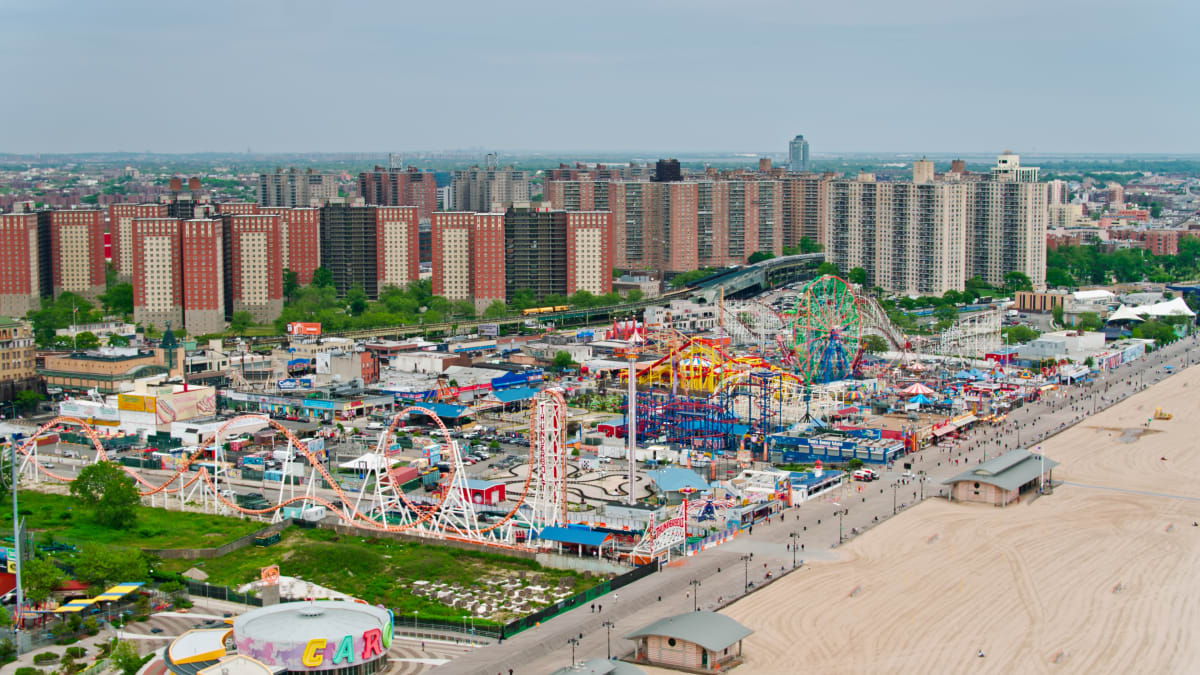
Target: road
x=723, y=571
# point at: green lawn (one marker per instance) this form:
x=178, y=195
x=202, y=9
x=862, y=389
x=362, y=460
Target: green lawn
x=61, y=517
x=374, y=570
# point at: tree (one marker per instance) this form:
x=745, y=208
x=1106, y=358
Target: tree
x=946, y=313
x=1018, y=334
x=686, y=278
x=1156, y=210
x=322, y=278
x=828, y=268
x=28, y=399
x=104, y=565
x=463, y=308
x=496, y=310
x=759, y=256
x=582, y=299
x=634, y=295
x=523, y=298
x=240, y=321
x=86, y=340
x=1059, y=278
x=810, y=246
x=858, y=276
x=291, y=284
x=356, y=300
x=118, y=341
x=125, y=658
x=563, y=360
x=874, y=344
x=118, y=299
x=1089, y=321
x=109, y=492
x=39, y=577
x=1017, y=281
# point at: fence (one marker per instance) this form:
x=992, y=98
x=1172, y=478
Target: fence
x=221, y=593
x=567, y=604
x=224, y=549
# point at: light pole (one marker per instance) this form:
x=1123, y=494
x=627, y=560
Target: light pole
x=841, y=536
x=894, y=484
x=746, y=565
x=608, y=625
x=794, y=536
x=695, y=584
x=573, y=642
x=16, y=547
x=415, y=619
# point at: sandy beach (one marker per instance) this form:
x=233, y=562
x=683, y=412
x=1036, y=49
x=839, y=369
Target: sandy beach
x=1097, y=577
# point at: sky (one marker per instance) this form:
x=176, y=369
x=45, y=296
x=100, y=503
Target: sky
x=1068, y=76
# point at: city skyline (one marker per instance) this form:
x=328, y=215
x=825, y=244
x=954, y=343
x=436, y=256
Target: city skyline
x=938, y=77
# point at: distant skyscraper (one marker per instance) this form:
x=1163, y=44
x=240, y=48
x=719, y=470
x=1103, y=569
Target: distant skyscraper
x=293, y=187
x=798, y=155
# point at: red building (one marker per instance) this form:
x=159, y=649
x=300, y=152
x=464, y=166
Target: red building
x=253, y=266
x=396, y=259
x=203, y=275
x=157, y=272
x=395, y=187
x=237, y=208
x=589, y=252
x=120, y=231
x=20, y=275
x=468, y=257
x=77, y=253
x=300, y=240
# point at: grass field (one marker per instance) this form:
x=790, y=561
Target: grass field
x=375, y=570
x=61, y=517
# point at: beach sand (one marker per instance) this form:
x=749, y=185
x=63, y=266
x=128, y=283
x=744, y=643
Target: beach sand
x=1088, y=579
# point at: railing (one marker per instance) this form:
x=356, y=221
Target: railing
x=567, y=604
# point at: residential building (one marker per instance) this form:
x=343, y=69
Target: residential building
x=804, y=208
x=397, y=245
x=798, y=155
x=1057, y=192
x=1006, y=227
x=589, y=252
x=468, y=251
x=157, y=272
x=201, y=275
x=16, y=358
x=535, y=251
x=400, y=187
x=923, y=171
x=253, y=266
x=299, y=240
x=77, y=253
x=295, y=187
x=120, y=233
x=1008, y=169
x=349, y=247
x=26, y=256
x=907, y=236
x=477, y=190
x=667, y=171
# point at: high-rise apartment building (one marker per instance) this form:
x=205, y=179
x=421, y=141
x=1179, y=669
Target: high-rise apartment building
x=237, y=208
x=399, y=187
x=120, y=232
x=798, y=155
x=1006, y=230
x=535, y=251
x=1057, y=192
x=21, y=288
x=17, y=367
x=253, y=266
x=397, y=245
x=295, y=187
x=349, y=247
x=299, y=240
x=478, y=190
x=922, y=171
x=804, y=208
x=589, y=252
x=202, y=275
x=468, y=251
x=157, y=272
x=77, y=253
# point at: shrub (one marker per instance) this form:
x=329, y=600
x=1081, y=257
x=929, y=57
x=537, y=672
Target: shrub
x=29, y=670
x=76, y=652
x=45, y=657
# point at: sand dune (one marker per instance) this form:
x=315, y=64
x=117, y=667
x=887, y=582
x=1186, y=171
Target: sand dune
x=1085, y=580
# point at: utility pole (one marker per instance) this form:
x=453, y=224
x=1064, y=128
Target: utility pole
x=746, y=566
x=609, y=626
x=841, y=512
x=794, y=536
x=695, y=584
x=573, y=642
x=894, y=484
x=16, y=548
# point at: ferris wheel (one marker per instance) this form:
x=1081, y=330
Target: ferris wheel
x=826, y=330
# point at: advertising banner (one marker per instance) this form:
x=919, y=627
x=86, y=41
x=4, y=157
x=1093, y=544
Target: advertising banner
x=489, y=329
x=135, y=403
x=303, y=328
x=185, y=405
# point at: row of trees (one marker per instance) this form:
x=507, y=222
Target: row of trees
x=1068, y=266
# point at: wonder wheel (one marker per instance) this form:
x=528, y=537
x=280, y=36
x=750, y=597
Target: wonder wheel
x=826, y=330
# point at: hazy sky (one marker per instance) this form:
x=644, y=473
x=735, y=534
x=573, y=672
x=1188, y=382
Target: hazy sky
x=735, y=75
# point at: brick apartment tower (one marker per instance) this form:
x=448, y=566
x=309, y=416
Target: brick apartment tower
x=299, y=240
x=20, y=275
x=157, y=272
x=488, y=273
x=396, y=256
x=400, y=187
x=237, y=208
x=589, y=252
x=120, y=232
x=451, y=244
x=77, y=253
x=253, y=266
x=203, y=277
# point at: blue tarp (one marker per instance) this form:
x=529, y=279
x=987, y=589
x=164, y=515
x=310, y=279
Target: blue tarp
x=514, y=394
x=574, y=535
x=509, y=380
x=447, y=411
x=481, y=485
x=673, y=478
x=919, y=399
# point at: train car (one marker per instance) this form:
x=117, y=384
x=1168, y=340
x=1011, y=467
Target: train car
x=561, y=308
x=538, y=310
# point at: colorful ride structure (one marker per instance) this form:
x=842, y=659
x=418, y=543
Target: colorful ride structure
x=203, y=479
x=826, y=337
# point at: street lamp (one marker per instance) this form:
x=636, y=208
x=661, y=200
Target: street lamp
x=573, y=642
x=746, y=564
x=794, y=536
x=415, y=619
x=608, y=625
x=894, y=484
x=841, y=536
x=695, y=584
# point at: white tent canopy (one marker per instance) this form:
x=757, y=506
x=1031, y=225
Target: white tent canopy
x=1124, y=313
x=368, y=462
x=1174, y=307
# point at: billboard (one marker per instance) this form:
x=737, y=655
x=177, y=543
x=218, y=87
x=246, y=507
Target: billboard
x=303, y=328
x=184, y=405
x=135, y=403
x=292, y=383
x=489, y=329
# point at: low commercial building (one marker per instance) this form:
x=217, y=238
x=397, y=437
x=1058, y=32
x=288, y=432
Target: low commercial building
x=696, y=641
x=108, y=371
x=1075, y=345
x=1002, y=481
x=16, y=358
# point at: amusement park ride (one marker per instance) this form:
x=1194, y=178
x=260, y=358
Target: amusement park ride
x=692, y=395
